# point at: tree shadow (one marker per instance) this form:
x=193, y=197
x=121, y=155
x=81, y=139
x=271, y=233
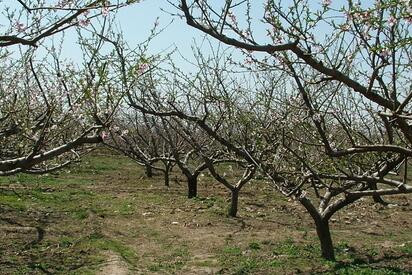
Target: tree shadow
x=372, y=262
x=15, y=222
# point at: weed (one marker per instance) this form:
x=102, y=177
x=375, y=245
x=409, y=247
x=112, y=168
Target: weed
x=407, y=248
x=289, y=248
x=246, y=266
x=254, y=246
x=171, y=262
x=232, y=251
x=80, y=214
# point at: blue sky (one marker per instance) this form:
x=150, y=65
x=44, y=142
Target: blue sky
x=137, y=20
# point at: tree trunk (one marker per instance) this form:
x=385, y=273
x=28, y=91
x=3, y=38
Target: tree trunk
x=148, y=170
x=166, y=177
x=234, y=203
x=322, y=229
x=377, y=198
x=192, y=187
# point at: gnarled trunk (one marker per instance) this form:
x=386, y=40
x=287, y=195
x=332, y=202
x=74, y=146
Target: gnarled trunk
x=322, y=227
x=234, y=203
x=192, y=187
x=326, y=244
x=148, y=170
x=166, y=177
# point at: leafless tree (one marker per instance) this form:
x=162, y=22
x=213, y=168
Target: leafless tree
x=140, y=138
x=52, y=110
x=183, y=138
x=201, y=108
x=348, y=126
x=31, y=22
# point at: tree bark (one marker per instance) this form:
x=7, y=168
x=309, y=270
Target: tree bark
x=322, y=226
x=326, y=244
x=377, y=198
x=166, y=177
x=234, y=203
x=148, y=170
x=192, y=187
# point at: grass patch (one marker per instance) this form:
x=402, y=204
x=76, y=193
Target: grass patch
x=253, y=258
x=407, y=248
x=100, y=242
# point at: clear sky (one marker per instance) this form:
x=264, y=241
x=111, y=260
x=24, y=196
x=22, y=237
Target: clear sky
x=137, y=20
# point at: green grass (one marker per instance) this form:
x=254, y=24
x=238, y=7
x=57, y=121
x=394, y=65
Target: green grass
x=61, y=200
x=245, y=260
x=101, y=242
x=407, y=248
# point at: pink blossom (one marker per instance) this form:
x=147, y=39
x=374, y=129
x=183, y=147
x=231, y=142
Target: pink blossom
x=105, y=11
x=232, y=17
x=392, y=21
x=409, y=15
x=84, y=22
x=124, y=132
x=344, y=27
x=349, y=16
x=142, y=68
x=326, y=2
x=366, y=35
x=248, y=61
x=19, y=27
x=104, y=135
x=365, y=16
x=63, y=3
x=385, y=52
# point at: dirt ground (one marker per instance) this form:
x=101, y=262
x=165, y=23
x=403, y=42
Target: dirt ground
x=105, y=217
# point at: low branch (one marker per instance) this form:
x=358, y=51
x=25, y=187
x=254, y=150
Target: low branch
x=24, y=163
